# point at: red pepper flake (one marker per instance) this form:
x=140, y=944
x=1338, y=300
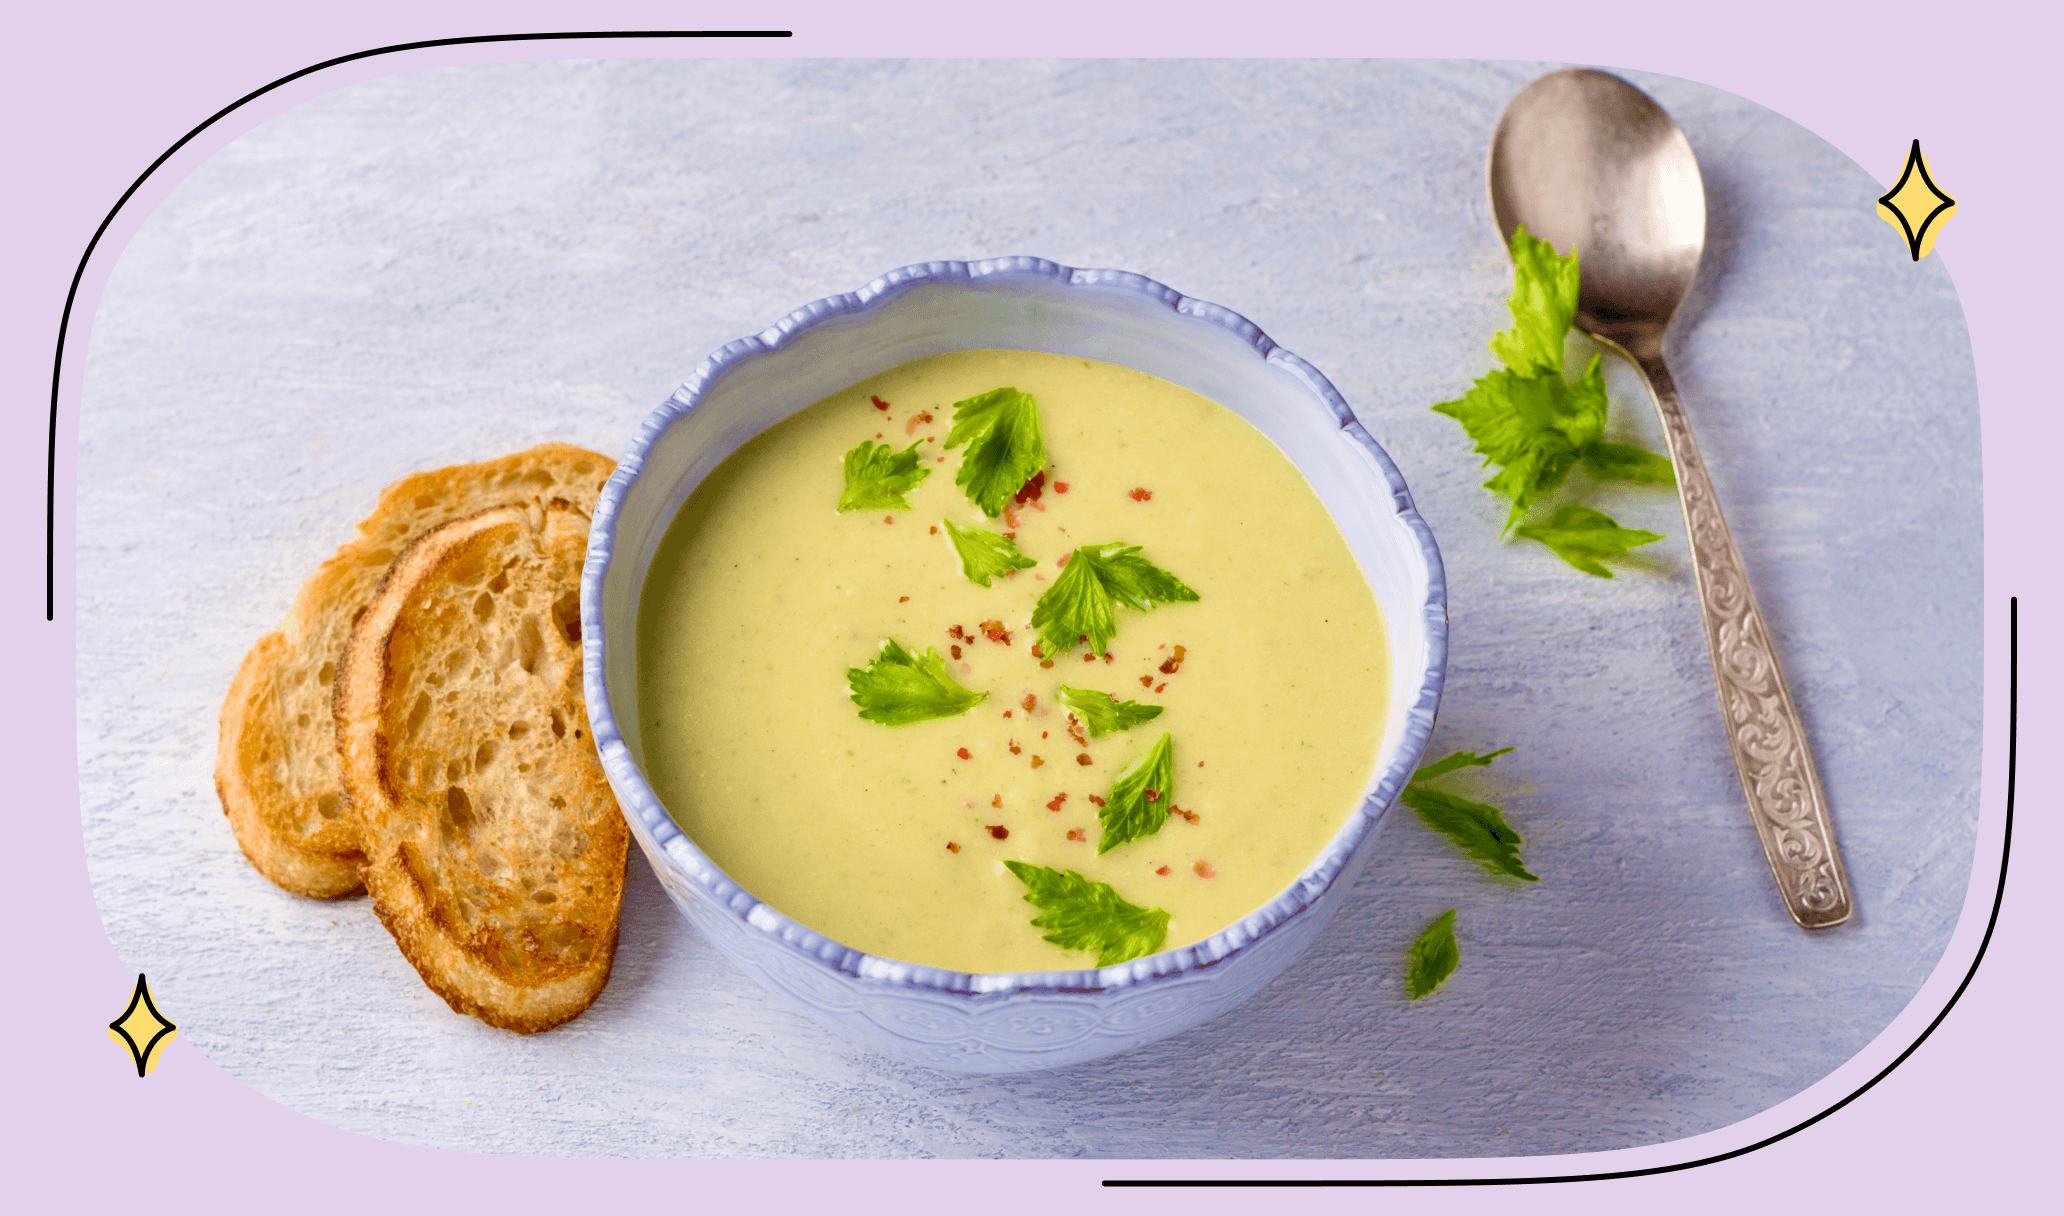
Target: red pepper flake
x=1046, y=662
x=1162, y=688
x=1097, y=800
x=1003, y=833
x=1087, y=657
x=877, y=434
x=1153, y=795
x=1162, y=871
x=1076, y=834
x=1062, y=560
x=1204, y=870
x=1006, y=713
x=1042, y=734
x=995, y=632
x=904, y=599
x=965, y=754
x=1029, y=702
x=1200, y=764
x=997, y=802
x=1146, y=681
x=1011, y=520
x=1030, y=491
x=1058, y=799
x=942, y=460
x=1107, y=656
x=955, y=649
x=1141, y=495
x=952, y=847
x=1037, y=653
x=1036, y=762
x=888, y=519
x=935, y=530
x=1187, y=816
x=917, y=420
x=878, y=403
x=1015, y=749
x=1010, y=536
x=957, y=632
x=1060, y=487
x=1174, y=664
x=1082, y=758
x=1075, y=732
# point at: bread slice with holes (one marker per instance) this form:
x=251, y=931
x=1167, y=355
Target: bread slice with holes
x=494, y=850
x=276, y=756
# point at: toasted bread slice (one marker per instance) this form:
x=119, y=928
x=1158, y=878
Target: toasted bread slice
x=276, y=759
x=494, y=849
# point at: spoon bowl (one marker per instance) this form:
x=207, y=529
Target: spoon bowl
x=1586, y=160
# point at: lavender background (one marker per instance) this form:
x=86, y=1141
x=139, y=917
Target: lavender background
x=1972, y=1094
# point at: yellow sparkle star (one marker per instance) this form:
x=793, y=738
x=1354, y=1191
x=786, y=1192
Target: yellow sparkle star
x=1916, y=205
x=142, y=1031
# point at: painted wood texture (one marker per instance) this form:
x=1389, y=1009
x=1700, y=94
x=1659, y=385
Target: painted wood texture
x=449, y=265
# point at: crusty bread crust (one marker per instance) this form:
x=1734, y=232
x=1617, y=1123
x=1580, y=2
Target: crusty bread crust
x=494, y=847
x=276, y=756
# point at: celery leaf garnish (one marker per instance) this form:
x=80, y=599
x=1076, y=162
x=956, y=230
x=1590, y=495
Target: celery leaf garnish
x=1004, y=446
x=879, y=477
x=1085, y=915
x=985, y=555
x=1082, y=602
x=899, y=688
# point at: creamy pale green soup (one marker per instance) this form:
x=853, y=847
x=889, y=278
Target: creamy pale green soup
x=892, y=839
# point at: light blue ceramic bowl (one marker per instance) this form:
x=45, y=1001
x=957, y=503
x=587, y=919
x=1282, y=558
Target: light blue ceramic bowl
x=1044, y=1019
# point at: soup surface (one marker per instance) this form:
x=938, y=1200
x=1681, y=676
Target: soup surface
x=892, y=839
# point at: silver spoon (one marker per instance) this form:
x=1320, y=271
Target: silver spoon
x=1586, y=159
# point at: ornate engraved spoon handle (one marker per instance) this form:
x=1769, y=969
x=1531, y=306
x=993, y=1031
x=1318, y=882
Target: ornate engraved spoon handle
x=1763, y=728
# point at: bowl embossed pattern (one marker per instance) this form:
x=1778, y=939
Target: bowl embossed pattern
x=1009, y=1022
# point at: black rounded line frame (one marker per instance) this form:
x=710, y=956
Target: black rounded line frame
x=1999, y=896
x=143, y=994
x=64, y=323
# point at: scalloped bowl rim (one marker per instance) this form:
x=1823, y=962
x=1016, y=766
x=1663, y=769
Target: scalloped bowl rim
x=666, y=844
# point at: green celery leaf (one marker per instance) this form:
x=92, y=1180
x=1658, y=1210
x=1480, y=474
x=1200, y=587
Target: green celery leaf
x=1503, y=431
x=1082, y=602
x=985, y=555
x=1433, y=957
x=1543, y=303
x=878, y=477
x=1476, y=829
x=1457, y=760
x=1624, y=462
x=1580, y=415
x=1527, y=479
x=899, y=688
x=1534, y=426
x=1005, y=447
x=1580, y=536
x=1104, y=713
x=1130, y=813
x=1085, y=915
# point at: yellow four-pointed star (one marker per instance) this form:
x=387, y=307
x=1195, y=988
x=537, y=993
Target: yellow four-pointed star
x=142, y=1031
x=1916, y=205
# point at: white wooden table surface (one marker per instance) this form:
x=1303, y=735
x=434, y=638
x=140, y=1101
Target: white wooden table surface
x=453, y=264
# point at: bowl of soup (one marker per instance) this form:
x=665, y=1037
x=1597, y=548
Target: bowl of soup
x=1010, y=664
